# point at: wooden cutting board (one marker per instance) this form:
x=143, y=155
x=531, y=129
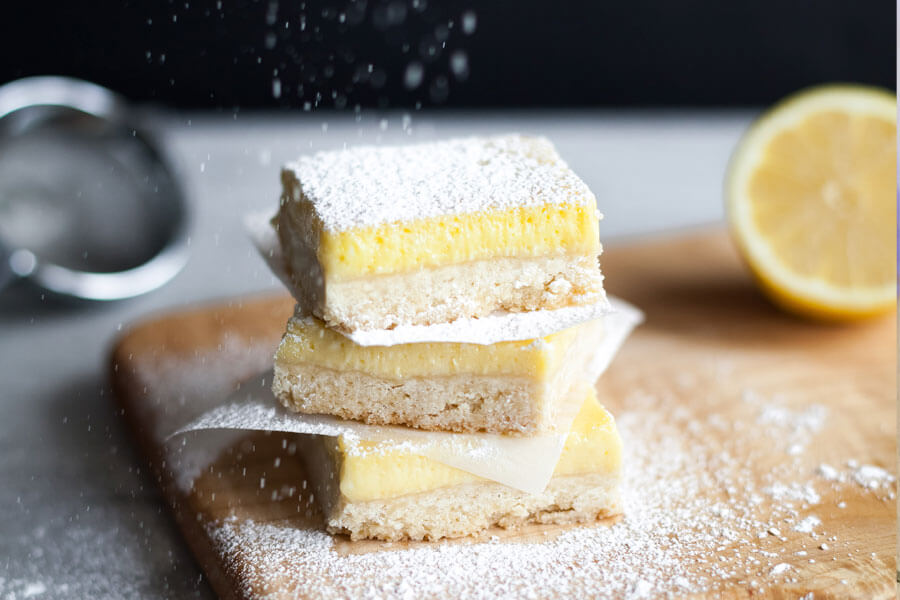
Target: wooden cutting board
x=756, y=448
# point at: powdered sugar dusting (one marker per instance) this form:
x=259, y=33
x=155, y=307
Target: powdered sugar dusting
x=796, y=428
x=677, y=537
x=868, y=476
x=712, y=496
x=369, y=185
x=872, y=477
x=808, y=525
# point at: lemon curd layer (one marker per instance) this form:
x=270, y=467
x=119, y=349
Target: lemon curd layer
x=558, y=230
x=308, y=341
x=382, y=470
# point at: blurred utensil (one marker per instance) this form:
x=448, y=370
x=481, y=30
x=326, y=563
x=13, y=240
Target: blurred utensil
x=89, y=207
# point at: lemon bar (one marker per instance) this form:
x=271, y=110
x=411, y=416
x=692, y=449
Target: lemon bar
x=509, y=387
x=378, y=237
x=380, y=490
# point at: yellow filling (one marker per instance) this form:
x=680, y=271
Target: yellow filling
x=375, y=471
x=308, y=341
x=548, y=229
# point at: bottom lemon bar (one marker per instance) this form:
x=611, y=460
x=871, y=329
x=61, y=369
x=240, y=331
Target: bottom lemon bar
x=382, y=491
x=508, y=387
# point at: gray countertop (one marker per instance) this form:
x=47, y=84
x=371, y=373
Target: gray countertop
x=79, y=517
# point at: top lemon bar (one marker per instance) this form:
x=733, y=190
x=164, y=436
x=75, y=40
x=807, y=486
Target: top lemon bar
x=377, y=237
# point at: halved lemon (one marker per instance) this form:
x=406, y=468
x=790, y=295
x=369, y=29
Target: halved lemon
x=812, y=201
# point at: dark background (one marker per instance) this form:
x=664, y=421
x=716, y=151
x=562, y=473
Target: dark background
x=265, y=54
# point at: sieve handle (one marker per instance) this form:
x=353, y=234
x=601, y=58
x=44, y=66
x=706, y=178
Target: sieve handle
x=7, y=275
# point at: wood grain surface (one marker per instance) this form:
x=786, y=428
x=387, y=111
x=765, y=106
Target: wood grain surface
x=713, y=354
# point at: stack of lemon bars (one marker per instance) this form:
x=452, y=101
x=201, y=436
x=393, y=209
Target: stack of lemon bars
x=397, y=238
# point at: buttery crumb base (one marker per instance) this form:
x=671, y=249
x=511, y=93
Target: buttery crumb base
x=448, y=293
x=473, y=507
x=462, y=403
